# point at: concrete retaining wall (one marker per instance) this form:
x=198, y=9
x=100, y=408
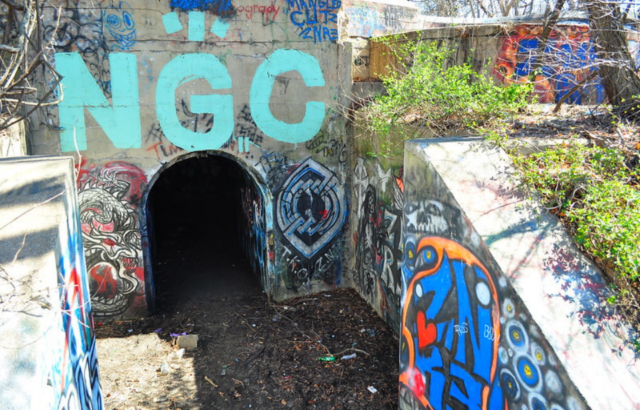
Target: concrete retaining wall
x=48, y=353
x=499, y=308
x=507, y=52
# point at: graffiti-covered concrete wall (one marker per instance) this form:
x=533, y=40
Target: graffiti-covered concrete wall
x=508, y=52
x=48, y=354
x=145, y=84
x=499, y=308
x=378, y=18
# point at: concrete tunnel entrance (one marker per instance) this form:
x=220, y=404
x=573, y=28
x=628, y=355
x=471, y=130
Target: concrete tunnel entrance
x=200, y=234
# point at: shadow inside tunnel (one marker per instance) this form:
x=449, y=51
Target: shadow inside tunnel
x=197, y=235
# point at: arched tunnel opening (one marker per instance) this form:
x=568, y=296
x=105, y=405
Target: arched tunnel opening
x=200, y=231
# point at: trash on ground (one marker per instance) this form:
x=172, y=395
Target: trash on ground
x=372, y=389
x=349, y=356
x=188, y=341
x=327, y=358
x=210, y=381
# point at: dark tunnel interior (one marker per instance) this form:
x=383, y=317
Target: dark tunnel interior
x=196, y=234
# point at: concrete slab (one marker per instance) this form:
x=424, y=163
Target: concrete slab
x=563, y=291
x=48, y=350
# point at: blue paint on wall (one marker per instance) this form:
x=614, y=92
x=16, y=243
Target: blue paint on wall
x=119, y=22
x=280, y=62
x=316, y=20
x=179, y=71
x=120, y=122
x=215, y=6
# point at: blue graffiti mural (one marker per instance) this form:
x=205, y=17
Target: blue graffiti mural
x=466, y=343
x=310, y=213
x=316, y=19
x=121, y=25
x=311, y=207
x=568, y=54
x=366, y=20
x=214, y=6
x=450, y=303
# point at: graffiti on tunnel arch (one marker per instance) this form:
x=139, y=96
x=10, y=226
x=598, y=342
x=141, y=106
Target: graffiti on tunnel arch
x=109, y=197
x=310, y=213
x=465, y=340
x=253, y=230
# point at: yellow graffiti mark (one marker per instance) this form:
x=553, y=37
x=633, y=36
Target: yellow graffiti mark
x=527, y=370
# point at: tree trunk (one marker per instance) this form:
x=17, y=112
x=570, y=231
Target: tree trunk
x=615, y=64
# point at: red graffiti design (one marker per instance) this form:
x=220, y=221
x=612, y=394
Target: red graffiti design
x=427, y=332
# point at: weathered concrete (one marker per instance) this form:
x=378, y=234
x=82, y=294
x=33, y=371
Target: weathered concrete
x=547, y=307
x=13, y=141
x=47, y=355
x=505, y=52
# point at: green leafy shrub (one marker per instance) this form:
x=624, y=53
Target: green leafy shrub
x=426, y=90
x=598, y=194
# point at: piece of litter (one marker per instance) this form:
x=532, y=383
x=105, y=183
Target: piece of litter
x=177, y=334
x=130, y=330
x=327, y=358
x=180, y=353
x=158, y=330
x=224, y=371
x=372, y=389
x=164, y=368
x=187, y=341
x=210, y=381
x=161, y=399
x=349, y=356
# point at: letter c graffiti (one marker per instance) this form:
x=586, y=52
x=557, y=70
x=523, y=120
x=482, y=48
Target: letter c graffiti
x=179, y=71
x=280, y=62
x=294, y=21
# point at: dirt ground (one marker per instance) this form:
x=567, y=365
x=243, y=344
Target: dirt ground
x=271, y=352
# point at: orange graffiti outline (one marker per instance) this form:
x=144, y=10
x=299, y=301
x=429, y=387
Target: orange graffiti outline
x=455, y=251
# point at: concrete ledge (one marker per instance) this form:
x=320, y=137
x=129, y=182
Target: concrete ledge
x=563, y=293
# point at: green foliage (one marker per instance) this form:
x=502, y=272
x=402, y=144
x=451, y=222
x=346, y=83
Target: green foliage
x=426, y=89
x=595, y=190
